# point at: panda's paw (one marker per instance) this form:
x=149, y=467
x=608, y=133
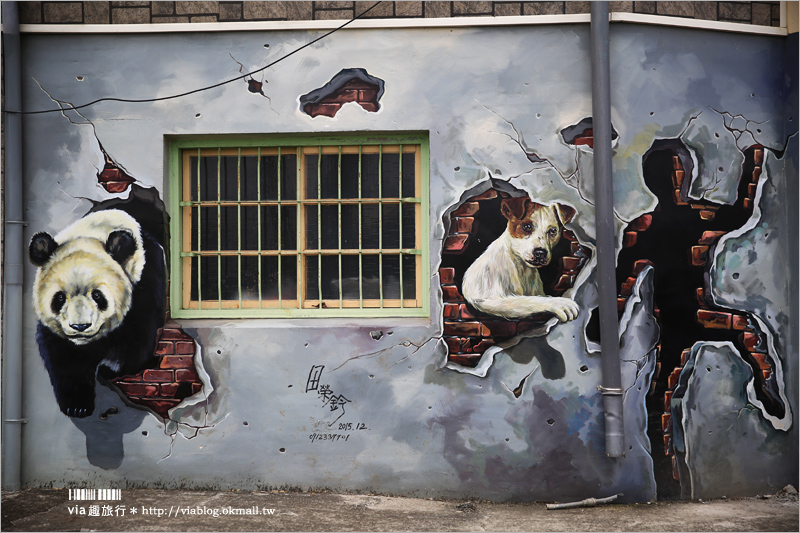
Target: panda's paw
x=78, y=412
x=78, y=408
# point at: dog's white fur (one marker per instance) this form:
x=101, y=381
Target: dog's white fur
x=504, y=280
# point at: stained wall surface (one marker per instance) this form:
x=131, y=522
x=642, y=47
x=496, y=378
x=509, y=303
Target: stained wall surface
x=521, y=419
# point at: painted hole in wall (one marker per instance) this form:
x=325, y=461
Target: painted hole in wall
x=349, y=85
x=477, y=314
x=678, y=239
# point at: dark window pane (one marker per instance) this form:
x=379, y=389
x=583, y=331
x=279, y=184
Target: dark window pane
x=409, y=226
x=350, y=227
x=249, y=178
x=391, y=226
x=370, y=227
x=350, y=184
x=229, y=227
x=229, y=178
x=370, y=269
x=324, y=179
x=230, y=278
x=271, y=177
x=249, y=277
x=208, y=179
x=208, y=278
x=390, y=175
x=369, y=176
x=193, y=177
x=409, y=276
x=409, y=170
x=350, y=277
x=391, y=276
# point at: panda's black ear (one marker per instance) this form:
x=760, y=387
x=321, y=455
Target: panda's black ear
x=120, y=245
x=41, y=248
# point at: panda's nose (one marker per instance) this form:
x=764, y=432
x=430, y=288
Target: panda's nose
x=80, y=327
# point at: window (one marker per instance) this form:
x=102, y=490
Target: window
x=298, y=226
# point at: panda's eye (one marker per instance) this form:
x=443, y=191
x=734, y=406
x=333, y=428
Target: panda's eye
x=527, y=228
x=58, y=301
x=99, y=299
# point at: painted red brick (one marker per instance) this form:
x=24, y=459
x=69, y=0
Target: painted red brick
x=176, y=361
x=186, y=374
x=450, y=294
x=710, y=237
x=567, y=234
x=453, y=344
x=328, y=110
x=758, y=156
x=641, y=223
x=657, y=371
x=668, y=444
x=196, y=387
x=498, y=329
x=756, y=174
x=450, y=312
x=665, y=423
x=174, y=334
x=629, y=239
x=466, y=329
x=747, y=203
x=739, y=322
x=699, y=255
x=368, y=95
x=761, y=359
x=158, y=375
x=455, y=244
x=135, y=378
x=184, y=348
x=464, y=313
x=621, y=304
x=676, y=163
x=667, y=399
x=672, y=380
x=766, y=374
x=447, y=275
x=343, y=96
x=701, y=300
x=677, y=178
x=714, y=319
x=165, y=348
x=372, y=107
x=751, y=341
x=462, y=225
x=479, y=347
x=626, y=289
x=467, y=209
x=138, y=389
x=752, y=189
x=640, y=265
x=707, y=215
x=570, y=263
x=675, y=474
x=564, y=282
x=169, y=389
x=488, y=195
x=676, y=195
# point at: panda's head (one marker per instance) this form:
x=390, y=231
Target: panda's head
x=82, y=290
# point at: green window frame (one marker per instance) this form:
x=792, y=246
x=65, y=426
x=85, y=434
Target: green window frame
x=300, y=226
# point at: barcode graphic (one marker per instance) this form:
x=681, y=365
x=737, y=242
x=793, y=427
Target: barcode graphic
x=95, y=494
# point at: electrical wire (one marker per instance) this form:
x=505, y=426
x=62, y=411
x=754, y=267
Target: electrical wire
x=220, y=84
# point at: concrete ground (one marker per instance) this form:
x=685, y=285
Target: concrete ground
x=170, y=510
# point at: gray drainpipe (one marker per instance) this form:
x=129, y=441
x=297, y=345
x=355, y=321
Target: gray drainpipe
x=611, y=387
x=13, y=254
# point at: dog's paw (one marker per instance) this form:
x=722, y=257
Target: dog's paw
x=565, y=309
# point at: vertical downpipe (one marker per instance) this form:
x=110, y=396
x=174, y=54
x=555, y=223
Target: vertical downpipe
x=12, y=254
x=611, y=387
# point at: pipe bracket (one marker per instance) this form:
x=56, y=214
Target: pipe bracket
x=15, y=421
x=610, y=391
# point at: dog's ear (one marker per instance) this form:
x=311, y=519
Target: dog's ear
x=514, y=208
x=564, y=212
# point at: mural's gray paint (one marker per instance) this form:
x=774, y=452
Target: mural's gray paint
x=483, y=95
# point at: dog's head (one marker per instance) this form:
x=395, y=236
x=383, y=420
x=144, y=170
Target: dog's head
x=534, y=228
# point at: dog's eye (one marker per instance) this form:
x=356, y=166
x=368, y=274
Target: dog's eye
x=527, y=228
x=552, y=232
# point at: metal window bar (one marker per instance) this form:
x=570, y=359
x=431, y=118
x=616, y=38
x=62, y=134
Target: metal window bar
x=280, y=244
x=199, y=234
x=339, y=188
x=360, y=246
x=219, y=228
x=300, y=226
x=319, y=225
x=380, y=222
x=258, y=221
x=400, y=210
x=239, y=223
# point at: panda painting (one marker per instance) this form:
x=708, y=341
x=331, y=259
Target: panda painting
x=99, y=298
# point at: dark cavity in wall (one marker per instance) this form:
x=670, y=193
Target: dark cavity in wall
x=349, y=85
x=677, y=239
x=582, y=133
x=472, y=227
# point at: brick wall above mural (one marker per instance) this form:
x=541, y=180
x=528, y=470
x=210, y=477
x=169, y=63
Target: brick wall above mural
x=760, y=13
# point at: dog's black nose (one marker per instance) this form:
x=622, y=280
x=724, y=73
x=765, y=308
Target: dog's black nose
x=540, y=256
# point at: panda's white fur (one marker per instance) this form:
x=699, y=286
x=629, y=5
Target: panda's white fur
x=96, y=290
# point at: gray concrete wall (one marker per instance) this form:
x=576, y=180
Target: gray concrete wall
x=433, y=427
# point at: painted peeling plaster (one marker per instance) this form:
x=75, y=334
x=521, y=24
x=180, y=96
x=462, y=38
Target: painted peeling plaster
x=430, y=430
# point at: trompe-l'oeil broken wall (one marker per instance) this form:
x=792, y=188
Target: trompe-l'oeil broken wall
x=494, y=394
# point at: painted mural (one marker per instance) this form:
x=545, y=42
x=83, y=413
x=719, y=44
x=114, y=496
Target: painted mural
x=494, y=395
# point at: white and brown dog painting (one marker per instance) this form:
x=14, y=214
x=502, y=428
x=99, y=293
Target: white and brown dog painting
x=504, y=281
